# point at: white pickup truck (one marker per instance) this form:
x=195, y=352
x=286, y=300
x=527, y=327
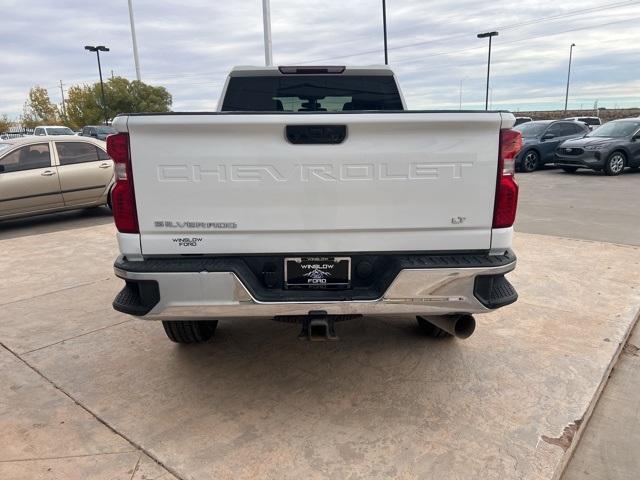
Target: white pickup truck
x=312, y=195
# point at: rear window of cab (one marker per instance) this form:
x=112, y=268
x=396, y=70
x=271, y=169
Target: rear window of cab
x=312, y=93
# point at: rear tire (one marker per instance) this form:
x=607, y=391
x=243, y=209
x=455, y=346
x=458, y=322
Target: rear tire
x=570, y=169
x=430, y=330
x=615, y=164
x=189, y=331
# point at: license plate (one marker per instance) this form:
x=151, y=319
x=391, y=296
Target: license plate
x=317, y=272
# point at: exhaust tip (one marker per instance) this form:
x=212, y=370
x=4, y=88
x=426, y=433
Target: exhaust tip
x=438, y=326
x=464, y=326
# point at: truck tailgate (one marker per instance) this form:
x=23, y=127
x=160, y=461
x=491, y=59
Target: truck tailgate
x=233, y=184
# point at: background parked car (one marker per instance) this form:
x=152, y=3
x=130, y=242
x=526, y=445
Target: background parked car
x=53, y=130
x=101, y=132
x=612, y=147
x=520, y=120
x=541, y=138
x=46, y=174
x=592, y=122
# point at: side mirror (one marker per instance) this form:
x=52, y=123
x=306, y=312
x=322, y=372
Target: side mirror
x=1, y=168
x=94, y=134
x=548, y=136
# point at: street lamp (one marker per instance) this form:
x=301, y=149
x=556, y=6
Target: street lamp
x=490, y=35
x=566, y=98
x=98, y=49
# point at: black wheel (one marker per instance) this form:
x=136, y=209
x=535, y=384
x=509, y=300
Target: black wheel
x=189, y=331
x=530, y=161
x=430, y=330
x=614, y=164
x=570, y=169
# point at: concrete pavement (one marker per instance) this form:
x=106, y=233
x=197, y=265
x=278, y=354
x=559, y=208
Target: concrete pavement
x=610, y=446
x=257, y=403
x=45, y=434
x=591, y=205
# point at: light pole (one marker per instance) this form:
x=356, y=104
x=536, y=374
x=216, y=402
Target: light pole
x=266, y=25
x=98, y=49
x=134, y=40
x=490, y=35
x=384, y=29
x=566, y=98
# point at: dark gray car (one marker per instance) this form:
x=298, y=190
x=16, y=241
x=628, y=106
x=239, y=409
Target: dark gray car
x=541, y=138
x=101, y=132
x=611, y=148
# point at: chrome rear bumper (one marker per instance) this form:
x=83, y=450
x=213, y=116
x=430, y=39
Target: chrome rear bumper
x=421, y=291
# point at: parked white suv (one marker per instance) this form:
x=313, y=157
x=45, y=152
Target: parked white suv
x=313, y=196
x=591, y=122
x=53, y=130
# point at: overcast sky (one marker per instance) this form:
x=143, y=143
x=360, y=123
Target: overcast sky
x=188, y=47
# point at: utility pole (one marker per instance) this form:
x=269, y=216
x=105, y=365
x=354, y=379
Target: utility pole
x=266, y=21
x=384, y=29
x=64, y=109
x=566, y=98
x=489, y=35
x=135, y=42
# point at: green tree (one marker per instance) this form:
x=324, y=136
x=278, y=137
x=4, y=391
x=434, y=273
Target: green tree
x=84, y=103
x=124, y=96
x=83, y=107
x=5, y=123
x=38, y=109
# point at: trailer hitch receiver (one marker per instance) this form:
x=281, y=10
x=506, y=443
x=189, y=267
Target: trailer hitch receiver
x=318, y=327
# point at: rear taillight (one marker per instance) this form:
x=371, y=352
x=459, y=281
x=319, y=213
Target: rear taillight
x=123, y=200
x=504, y=211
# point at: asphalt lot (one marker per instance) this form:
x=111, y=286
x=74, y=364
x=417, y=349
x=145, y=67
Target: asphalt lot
x=55, y=222
x=585, y=204
x=380, y=403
